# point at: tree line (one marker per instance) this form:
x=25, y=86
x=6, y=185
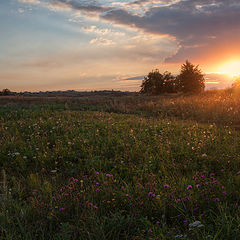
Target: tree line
x=190, y=80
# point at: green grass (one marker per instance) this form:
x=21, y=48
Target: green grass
x=76, y=170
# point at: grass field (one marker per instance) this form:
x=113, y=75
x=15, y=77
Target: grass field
x=129, y=167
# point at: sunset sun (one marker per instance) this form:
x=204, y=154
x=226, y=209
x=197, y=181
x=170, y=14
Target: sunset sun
x=231, y=68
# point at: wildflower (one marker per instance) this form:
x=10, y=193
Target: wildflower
x=238, y=173
x=95, y=207
x=166, y=186
x=122, y=187
x=97, y=190
x=217, y=199
x=197, y=224
x=109, y=175
x=189, y=187
x=97, y=173
x=187, y=198
x=150, y=193
x=180, y=236
x=61, y=209
x=198, y=185
x=157, y=222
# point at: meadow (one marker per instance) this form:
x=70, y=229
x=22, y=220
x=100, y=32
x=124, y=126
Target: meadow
x=120, y=167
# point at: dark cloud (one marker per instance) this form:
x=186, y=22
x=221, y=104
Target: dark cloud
x=199, y=26
x=135, y=78
x=86, y=6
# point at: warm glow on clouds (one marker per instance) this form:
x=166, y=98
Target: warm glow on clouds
x=93, y=44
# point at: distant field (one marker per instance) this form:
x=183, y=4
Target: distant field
x=120, y=167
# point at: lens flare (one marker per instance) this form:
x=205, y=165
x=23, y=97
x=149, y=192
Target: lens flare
x=231, y=68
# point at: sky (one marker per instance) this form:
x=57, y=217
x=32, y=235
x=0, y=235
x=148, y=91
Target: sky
x=89, y=45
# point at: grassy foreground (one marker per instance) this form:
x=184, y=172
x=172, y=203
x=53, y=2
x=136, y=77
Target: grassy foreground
x=78, y=174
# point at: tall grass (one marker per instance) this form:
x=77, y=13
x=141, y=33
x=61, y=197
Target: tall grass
x=131, y=170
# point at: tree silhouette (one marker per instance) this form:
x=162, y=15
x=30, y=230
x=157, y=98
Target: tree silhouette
x=6, y=92
x=157, y=83
x=191, y=78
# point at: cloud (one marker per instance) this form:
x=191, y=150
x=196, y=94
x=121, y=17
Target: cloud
x=102, y=41
x=30, y=1
x=198, y=26
x=102, y=31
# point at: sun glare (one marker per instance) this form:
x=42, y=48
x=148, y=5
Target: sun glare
x=231, y=68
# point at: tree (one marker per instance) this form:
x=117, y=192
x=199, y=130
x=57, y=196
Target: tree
x=191, y=78
x=157, y=83
x=6, y=92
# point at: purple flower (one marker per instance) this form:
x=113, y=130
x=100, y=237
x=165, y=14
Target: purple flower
x=61, y=209
x=217, y=199
x=150, y=193
x=187, y=198
x=157, y=222
x=95, y=207
x=97, y=173
x=97, y=190
x=109, y=175
x=189, y=187
x=166, y=186
x=198, y=185
x=238, y=173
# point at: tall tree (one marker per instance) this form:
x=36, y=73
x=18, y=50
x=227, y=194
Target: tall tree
x=191, y=78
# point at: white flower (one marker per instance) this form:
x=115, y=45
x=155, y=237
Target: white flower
x=197, y=224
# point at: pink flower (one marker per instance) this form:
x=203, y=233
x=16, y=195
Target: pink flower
x=109, y=175
x=95, y=207
x=189, y=187
x=166, y=186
